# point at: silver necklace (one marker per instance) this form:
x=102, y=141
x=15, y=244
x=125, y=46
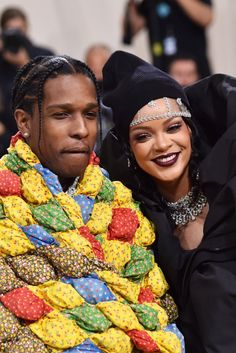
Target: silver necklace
x=187, y=208
x=72, y=189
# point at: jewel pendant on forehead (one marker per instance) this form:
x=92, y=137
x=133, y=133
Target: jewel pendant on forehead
x=152, y=104
x=179, y=101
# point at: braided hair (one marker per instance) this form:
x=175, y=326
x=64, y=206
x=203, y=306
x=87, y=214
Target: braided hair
x=28, y=87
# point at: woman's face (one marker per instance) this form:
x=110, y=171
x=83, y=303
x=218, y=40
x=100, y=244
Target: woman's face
x=69, y=125
x=162, y=148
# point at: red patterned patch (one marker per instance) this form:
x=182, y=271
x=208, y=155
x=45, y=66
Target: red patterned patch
x=143, y=341
x=25, y=304
x=146, y=296
x=94, y=159
x=9, y=183
x=96, y=246
x=16, y=137
x=123, y=225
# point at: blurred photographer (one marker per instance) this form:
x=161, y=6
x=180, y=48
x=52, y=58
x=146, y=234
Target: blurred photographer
x=174, y=26
x=16, y=49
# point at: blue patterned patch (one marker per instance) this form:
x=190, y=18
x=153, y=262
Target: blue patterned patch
x=91, y=288
x=38, y=235
x=105, y=172
x=86, y=204
x=86, y=346
x=50, y=179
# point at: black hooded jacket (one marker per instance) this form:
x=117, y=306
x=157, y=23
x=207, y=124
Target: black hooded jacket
x=202, y=281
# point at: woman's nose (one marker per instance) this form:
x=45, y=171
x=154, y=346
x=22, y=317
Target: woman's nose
x=162, y=142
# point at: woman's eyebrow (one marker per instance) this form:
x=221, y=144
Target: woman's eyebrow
x=147, y=127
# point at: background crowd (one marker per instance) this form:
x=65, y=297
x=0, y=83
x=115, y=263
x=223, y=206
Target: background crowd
x=176, y=35
x=54, y=194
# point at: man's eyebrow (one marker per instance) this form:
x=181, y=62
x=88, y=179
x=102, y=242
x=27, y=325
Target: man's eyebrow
x=89, y=105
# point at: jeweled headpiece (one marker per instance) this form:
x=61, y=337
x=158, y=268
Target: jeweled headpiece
x=129, y=83
x=170, y=113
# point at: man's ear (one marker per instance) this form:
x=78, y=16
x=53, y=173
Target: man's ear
x=23, y=121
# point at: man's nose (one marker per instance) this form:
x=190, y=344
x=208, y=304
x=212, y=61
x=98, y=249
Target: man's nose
x=78, y=126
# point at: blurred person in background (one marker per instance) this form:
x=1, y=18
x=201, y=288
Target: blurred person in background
x=16, y=49
x=96, y=57
x=184, y=69
x=174, y=26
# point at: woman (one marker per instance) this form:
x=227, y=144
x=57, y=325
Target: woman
x=184, y=184
x=76, y=274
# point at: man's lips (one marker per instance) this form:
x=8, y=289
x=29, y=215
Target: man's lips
x=167, y=159
x=76, y=150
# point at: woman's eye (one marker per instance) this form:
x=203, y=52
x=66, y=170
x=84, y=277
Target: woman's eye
x=141, y=137
x=174, y=127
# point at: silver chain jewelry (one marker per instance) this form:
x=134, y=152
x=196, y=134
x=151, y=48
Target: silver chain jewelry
x=156, y=115
x=72, y=189
x=188, y=207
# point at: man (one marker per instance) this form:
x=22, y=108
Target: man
x=184, y=69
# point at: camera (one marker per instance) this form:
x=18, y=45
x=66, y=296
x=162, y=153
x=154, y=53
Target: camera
x=13, y=40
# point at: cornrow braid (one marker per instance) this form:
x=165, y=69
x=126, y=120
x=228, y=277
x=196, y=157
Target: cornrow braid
x=30, y=80
x=18, y=82
x=50, y=67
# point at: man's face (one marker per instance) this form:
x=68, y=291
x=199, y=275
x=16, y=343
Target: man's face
x=184, y=71
x=68, y=126
x=16, y=23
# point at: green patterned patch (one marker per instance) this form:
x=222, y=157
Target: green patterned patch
x=99, y=238
x=2, y=213
x=16, y=164
x=107, y=191
x=51, y=215
x=147, y=316
x=89, y=318
x=140, y=264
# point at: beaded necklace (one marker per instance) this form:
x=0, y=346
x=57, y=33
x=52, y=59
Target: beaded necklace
x=187, y=208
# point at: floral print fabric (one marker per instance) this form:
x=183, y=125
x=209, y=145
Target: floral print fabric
x=76, y=272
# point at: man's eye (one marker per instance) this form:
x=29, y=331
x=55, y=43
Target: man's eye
x=92, y=115
x=61, y=115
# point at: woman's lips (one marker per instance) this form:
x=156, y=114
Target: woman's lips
x=166, y=160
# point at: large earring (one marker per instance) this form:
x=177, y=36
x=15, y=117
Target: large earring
x=26, y=134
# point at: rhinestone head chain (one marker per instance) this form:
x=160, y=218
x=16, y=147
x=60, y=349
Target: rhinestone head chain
x=171, y=113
